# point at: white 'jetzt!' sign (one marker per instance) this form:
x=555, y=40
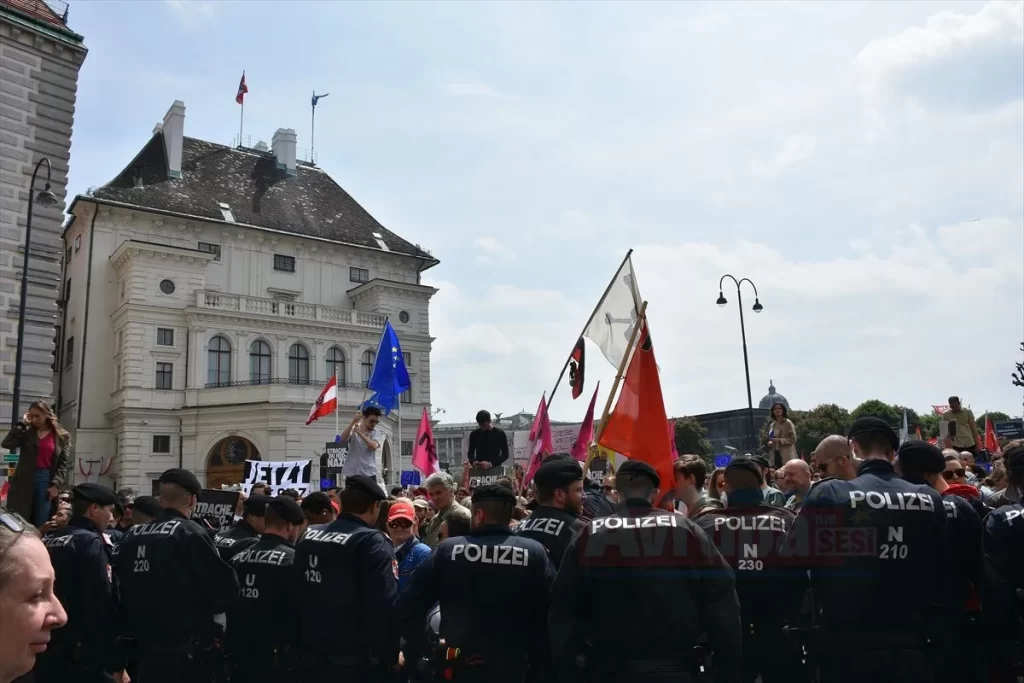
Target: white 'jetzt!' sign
x=293, y=474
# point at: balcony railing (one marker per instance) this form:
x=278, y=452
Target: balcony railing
x=283, y=380
x=287, y=309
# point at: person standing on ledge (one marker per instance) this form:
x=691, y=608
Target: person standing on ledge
x=488, y=445
x=362, y=440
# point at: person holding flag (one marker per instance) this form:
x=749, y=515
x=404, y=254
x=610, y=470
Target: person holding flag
x=362, y=440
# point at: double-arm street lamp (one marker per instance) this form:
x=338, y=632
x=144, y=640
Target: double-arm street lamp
x=743, y=332
x=46, y=198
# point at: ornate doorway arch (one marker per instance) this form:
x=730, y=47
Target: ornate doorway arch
x=225, y=464
x=387, y=467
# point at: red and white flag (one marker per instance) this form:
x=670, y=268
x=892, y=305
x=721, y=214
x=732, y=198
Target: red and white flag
x=242, y=89
x=327, y=403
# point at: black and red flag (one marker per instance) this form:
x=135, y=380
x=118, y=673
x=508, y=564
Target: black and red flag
x=576, y=368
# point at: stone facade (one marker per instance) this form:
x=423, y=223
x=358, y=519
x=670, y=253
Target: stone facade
x=39, y=64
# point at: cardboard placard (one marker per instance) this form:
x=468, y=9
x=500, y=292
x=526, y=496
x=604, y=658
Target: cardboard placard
x=290, y=474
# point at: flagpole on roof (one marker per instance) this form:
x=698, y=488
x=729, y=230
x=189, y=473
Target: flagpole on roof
x=312, y=125
x=607, y=289
x=641, y=321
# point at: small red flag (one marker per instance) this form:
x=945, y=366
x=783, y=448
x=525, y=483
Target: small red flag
x=424, y=452
x=577, y=368
x=326, y=403
x=991, y=440
x=242, y=89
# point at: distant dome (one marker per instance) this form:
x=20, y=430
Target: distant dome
x=773, y=397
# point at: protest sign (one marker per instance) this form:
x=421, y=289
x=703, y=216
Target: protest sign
x=598, y=468
x=1011, y=429
x=218, y=507
x=490, y=476
x=292, y=474
x=333, y=459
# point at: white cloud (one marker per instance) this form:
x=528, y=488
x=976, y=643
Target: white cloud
x=474, y=89
x=795, y=148
x=192, y=9
x=490, y=250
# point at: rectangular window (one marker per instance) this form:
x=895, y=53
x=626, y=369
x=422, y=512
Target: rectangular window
x=78, y=243
x=117, y=378
x=164, y=336
x=67, y=255
x=161, y=443
x=56, y=349
x=284, y=263
x=406, y=447
x=407, y=357
x=69, y=352
x=67, y=291
x=358, y=275
x=164, y=375
x=406, y=396
x=210, y=249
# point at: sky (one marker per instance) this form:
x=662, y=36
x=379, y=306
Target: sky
x=861, y=163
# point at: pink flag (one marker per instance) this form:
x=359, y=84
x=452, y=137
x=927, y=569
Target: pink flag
x=579, y=449
x=672, y=439
x=540, y=440
x=424, y=451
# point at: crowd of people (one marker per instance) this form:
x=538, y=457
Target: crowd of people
x=875, y=560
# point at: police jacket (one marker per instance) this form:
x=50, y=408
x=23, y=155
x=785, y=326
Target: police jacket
x=346, y=567
x=875, y=547
x=235, y=539
x=81, y=563
x=643, y=566
x=552, y=528
x=1003, y=544
x=263, y=618
x=493, y=591
x=963, y=545
x=172, y=581
x=751, y=534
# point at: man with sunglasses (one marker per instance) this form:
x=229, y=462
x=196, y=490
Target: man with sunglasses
x=922, y=463
x=834, y=459
x=409, y=550
x=955, y=475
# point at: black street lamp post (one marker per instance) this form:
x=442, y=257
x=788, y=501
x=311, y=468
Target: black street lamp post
x=46, y=198
x=743, y=332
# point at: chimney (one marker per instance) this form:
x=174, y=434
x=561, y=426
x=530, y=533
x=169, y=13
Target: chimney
x=174, y=132
x=261, y=146
x=283, y=146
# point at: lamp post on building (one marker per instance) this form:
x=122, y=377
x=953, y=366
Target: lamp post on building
x=46, y=198
x=743, y=332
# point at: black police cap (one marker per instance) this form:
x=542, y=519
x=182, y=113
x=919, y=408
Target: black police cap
x=494, y=492
x=638, y=468
x=361, y=481
x=256, y=505
x=147, y=505
x=94, y=493
x=744, y=464
x=286, y=509
x=182, y=478
x=921, y=456
x=869, y=424
x=556, y=473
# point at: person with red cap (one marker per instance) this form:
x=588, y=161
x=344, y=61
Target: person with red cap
x=409, y=550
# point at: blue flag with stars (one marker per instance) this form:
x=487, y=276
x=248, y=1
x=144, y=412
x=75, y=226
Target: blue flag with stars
x=389, y=377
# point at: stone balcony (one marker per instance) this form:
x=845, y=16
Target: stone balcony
x=291, y=310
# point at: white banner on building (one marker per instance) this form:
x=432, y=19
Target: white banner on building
x=293, y=474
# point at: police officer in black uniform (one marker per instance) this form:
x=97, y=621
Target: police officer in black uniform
x=875, y=547
x=493, y=589
x=83, y=651
x=173, y=584
x=643, y=585
x=263, y=623
x=345, y=581
x=1003, y=583
x=750, y=534
x=245, y=532
x=559, y=483
x=922, y=463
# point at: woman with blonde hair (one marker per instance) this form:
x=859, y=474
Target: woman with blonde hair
x=44, y=463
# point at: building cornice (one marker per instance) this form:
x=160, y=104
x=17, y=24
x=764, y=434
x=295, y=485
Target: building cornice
x=44, y=30
x=394, y=287
x=202, y=318
x=131, y=250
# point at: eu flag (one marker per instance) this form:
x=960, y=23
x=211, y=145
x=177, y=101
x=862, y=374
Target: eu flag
x=389, y=377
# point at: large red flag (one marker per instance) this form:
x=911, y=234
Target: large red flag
x=540, y=440
x=991, y=440
x=637, y=426
x=424, y=451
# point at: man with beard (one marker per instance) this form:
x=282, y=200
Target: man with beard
x=559, y=482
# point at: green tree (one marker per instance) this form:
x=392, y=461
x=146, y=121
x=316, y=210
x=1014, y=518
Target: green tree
x=913, y=419
x=814, y=425
x=879, y=409
x=993, y=415
x=692, y=437
x=930, y=425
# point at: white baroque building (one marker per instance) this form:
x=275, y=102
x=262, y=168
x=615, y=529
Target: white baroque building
x=210, y=294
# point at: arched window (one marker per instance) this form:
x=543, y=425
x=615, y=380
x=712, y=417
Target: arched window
x=218, y=362
x=259, y=362
x=367, y=365
x=298, y=364
x=336, y=364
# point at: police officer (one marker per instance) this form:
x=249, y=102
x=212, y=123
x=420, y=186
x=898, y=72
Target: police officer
x=347, y=571
x=173, y=584
x=750, y=534
x=922, y=463
x=643, y=585
x=84, y=649
x=245, y=532
x=144, y=510
x=875, y=548
x=559, y=484
x=1003, y=543
x=262, y=624
x=493, y=590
